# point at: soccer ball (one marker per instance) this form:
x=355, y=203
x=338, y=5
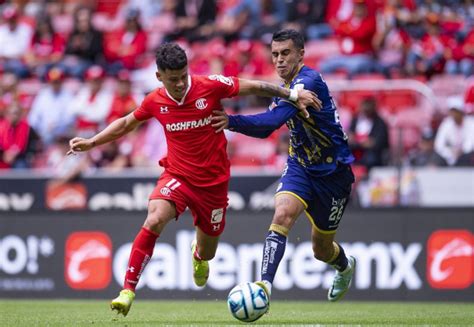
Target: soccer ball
x=247, y=302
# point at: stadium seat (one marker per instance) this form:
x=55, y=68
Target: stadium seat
x=108, y=7
x=317, y=50
x=365, y=77
x=352, y=99
x=397, y=100
x=403, y=139
x=447, y=85
x=245, y=161
x=409, y=123
x=251, y=150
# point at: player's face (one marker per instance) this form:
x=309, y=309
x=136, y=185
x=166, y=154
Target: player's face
x=286, y=59
x=175, y=81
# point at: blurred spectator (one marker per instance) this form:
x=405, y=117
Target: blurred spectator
x=124, y=101
x=64, y=168
x=309, y=17
x=355, y=39
x=369, y=136
x=455, y=135
x=426, y=7
x=147, y=144
x=273, y=16
x=241, y=20
x=425, y=154
x=111, y=156
x=126, y=50
x=84, y=46
x=10, y=93
x=49, y=114
x=15, y=38
x=426, y=55
x=460, y=56
x=195, y=20
x=391, y=41
x=46, y=49
x=17, y=139
x=247, y=59
x=149, y=9
x=91, y=105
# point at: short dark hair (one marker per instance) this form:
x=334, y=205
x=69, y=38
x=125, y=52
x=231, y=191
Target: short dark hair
x=171, y=56
x=289, y=34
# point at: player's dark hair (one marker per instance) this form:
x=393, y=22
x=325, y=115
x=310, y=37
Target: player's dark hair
x=171, y=56
x=289, y=34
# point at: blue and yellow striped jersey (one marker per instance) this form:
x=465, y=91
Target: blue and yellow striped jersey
x=318, y=143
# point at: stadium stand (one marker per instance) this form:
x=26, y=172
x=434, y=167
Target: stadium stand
x=244, y=52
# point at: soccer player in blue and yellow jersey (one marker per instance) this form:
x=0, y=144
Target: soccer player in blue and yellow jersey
x=317, y=178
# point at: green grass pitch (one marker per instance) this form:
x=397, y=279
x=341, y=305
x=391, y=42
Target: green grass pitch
x=207, y=313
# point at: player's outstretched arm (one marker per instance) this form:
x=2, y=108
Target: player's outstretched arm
x=115, y=130
x=303, y=98
x=259, y=125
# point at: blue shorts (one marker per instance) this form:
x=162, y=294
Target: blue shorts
x=325, y=198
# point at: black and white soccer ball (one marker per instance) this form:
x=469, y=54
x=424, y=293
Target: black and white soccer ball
x=247, y=302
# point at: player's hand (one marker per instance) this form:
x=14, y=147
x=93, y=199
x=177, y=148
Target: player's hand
x=307, y=99
x=79, y=144
x=220, y=120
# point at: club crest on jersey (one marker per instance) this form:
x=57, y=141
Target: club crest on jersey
x=201, y=103
x=172, y=185
x=164, y=110
x=166, y=191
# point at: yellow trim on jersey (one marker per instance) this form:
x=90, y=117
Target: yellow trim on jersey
x=309, y=153
x=325, y=141
x=295, y=195
x=291, y=152
x=316, y=227
x=279, y=229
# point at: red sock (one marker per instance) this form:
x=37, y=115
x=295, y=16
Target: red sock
x=141, y=253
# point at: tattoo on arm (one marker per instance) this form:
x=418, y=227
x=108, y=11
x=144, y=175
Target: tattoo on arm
x=271, y=90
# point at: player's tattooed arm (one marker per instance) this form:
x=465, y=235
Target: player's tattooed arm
x=303, y=98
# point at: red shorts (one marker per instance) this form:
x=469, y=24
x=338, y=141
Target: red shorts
x=207, y=204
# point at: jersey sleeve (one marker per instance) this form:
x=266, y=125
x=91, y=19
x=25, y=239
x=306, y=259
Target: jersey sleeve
x=263, y=124
x=225, y=87
x=306, y=83
x=143, y=112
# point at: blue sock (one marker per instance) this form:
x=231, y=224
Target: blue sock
x=273, y=251
x=340, y=262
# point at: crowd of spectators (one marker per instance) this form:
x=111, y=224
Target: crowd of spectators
x=71, y=67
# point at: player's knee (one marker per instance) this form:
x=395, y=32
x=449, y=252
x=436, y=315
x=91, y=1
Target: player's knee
x=156, y=219
x=283, y=217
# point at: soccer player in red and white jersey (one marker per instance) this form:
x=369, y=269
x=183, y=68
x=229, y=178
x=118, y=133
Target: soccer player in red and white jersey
x=196, y=168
